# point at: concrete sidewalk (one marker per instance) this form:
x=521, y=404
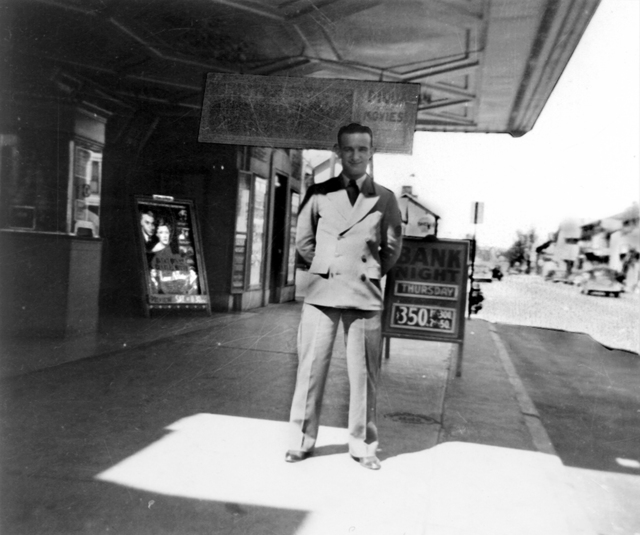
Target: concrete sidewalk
x=178, y=426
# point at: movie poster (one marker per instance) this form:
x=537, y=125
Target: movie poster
x=171, y=254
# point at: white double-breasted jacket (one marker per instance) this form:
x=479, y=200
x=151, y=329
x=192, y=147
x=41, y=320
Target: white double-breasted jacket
x=348, y=248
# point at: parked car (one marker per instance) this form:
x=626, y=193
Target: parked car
x=602, y=280
x=560, y=276
x=549, y=268
x=566, y=278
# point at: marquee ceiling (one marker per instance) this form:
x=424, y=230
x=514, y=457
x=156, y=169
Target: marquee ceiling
x=483, y=65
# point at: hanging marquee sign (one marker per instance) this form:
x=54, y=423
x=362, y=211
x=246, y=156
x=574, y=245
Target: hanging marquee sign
x=306, y=113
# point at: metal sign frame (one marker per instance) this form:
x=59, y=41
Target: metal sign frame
x=173, y=277
x=306, y=113
x=426, y=293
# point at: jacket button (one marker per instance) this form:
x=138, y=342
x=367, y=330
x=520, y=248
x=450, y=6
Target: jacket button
x=363, y=278
x=364, y=258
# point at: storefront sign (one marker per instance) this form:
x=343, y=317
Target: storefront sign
x=426, y=291
x=306, y=113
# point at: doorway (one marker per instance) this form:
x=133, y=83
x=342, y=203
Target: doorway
x=279, y=241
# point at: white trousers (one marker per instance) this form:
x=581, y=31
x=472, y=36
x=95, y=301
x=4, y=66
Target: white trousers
x=316, y=335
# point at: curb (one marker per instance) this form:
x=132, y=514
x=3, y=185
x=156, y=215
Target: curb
x=451, y=375
x=538, y=433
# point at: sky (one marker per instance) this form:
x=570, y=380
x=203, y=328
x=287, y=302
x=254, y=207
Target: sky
x=580, y=160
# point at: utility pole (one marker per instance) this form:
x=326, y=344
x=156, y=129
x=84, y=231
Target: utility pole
x=477, y=216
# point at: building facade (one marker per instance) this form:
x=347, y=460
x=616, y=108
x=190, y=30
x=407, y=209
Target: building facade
x=70, y=172
x=100, y=103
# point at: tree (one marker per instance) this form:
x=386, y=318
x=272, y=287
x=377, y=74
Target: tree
x=522, y=249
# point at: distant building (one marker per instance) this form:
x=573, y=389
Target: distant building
x=595, y=237
x=625, y=241
x=612, y=241
x=566, y=248
x=417, y=219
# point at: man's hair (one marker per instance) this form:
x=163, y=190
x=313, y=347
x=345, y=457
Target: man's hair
x=147, y=211
x=355, y=128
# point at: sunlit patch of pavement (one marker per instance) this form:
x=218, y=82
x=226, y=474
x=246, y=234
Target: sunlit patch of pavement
x=610, y=499
x=452, y=488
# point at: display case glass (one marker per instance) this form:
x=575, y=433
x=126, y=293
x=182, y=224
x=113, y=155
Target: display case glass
x=242, y=226
x=87, y=179
x=258, y=230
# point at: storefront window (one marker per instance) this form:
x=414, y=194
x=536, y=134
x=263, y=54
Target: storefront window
x=258, y=228
x=38, y=191
x=87, y=175
x=33, y=184
x=242, y=226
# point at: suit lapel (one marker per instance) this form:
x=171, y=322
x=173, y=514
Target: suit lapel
x=365, y=203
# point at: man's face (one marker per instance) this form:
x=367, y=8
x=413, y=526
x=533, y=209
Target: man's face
x=354, y=152
x=148, y=224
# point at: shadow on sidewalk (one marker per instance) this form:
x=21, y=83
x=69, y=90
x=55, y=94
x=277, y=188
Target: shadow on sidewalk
x=187, y=433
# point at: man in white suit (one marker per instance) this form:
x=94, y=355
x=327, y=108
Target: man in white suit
x=349, y=231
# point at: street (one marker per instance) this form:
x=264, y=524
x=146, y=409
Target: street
x=586, y=394
x=529, y=300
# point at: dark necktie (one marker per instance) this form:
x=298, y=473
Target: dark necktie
x=352, y=191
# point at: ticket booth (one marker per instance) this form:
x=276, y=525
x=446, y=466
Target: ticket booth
x=68, y=183
x=50, y=203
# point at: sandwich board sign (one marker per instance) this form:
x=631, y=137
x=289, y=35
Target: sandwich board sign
x=426, y=293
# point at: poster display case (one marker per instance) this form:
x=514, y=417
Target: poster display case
x=259, y=219
x=173, y=274
x=241, y=232
x=251, y=225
